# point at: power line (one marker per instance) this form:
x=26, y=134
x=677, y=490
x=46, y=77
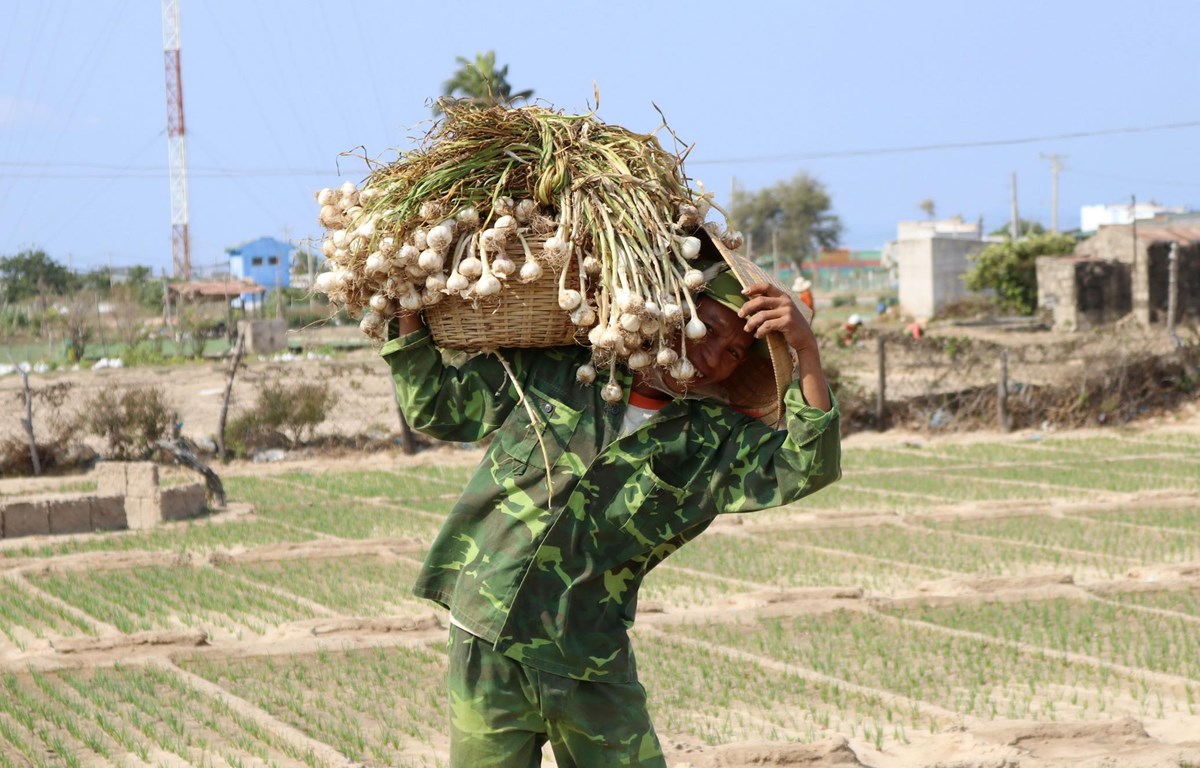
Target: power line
x=915, y=148
x=155, y=171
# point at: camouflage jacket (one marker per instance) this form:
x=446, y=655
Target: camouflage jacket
x=552, y=582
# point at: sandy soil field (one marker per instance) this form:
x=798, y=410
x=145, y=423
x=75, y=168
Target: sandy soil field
x=1121, y=739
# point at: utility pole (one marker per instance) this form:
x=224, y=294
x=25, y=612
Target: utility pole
x=775, y=252
x=1056, y=165
x=181, y=253
x=1014, y=226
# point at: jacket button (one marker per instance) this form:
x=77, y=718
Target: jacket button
x=548, y=408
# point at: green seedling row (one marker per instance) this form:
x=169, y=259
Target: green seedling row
x=842, y=496
x=970, y=676
x=1186, y=519
x=773, y=560
x=1121, y=543
x=1076, y=480
x=371, y=705
x=1185, y=601
x=20, y=608
x=189, y=536
x=941, y=487
x=321, y=512
x=400, y=485
x=699, y=693
x=1180, y=442
x=142, y=599
x=944, y=552
x=898, y=458
x=1114, y=633
x=121, y=715
x=362, y=586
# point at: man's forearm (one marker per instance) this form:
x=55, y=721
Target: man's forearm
x=813, y=385
x=410, y=323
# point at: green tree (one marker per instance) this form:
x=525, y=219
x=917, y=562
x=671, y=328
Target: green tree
x=797, y=212
x=928, y=207
x=32, y=273
x=480, y=84
x=1025, y=228
x=1009, y=268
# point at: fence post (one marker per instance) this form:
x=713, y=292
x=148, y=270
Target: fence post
x=1002, y=416
x=1173, y=294
x=881, y=394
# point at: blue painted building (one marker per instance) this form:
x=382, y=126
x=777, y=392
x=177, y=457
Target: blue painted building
x=266, y=261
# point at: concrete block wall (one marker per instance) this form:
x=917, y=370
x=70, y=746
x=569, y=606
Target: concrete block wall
x=264, y=337
x=127, y=496
x=930, y=273
x=1083, y=293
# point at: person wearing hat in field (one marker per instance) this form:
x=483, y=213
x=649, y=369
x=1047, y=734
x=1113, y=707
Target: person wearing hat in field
x=540, y=574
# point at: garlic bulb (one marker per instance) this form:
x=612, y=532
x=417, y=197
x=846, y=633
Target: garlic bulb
x=375, y=264
x=666, y=357
x=487, y=285
x=555, y=247
x=639, y=359
x=470, y=267
x=693, y=279
x=612, y=392
x=502, y=266
x=530, y=271
x=439, y=237
x=430, y=260
x=683, y=370
x=583, y=316
x=457, y=282
x=430, y=210
x=380, y=303
x=326, y=196
x=324, y=283
x=468, y=217
x=569, y=298
x=525, y=210
x=408, y=254
x=695, y=329
x=690, y=247
x=585, y=374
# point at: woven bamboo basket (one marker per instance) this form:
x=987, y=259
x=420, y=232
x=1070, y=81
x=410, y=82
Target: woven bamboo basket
x=521, y=315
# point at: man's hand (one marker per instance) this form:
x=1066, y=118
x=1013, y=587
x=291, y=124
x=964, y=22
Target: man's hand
x=770, y=309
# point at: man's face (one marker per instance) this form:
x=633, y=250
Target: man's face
x=718, y=355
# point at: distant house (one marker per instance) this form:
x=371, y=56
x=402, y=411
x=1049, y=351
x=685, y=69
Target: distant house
x=843, y=269
x=930, y=259
x=265, y=261
x=1092, y=217
x=1124, y=268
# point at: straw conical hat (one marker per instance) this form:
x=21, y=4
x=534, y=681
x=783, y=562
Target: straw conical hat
x=758, y=386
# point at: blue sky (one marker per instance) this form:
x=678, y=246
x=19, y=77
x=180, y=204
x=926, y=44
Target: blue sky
x=274, y=91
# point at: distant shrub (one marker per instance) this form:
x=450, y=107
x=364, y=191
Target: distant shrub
x=844, y=300
x=283, y=414
x=131, y=420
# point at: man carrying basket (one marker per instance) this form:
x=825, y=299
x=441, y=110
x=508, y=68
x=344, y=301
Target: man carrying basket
x=540, y=574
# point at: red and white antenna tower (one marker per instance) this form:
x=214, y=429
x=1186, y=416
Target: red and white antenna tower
x=176, y=147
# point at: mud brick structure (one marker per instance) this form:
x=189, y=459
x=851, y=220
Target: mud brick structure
x=128, y=495
x=1083, y=293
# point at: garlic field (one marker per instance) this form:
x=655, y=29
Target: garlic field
x=1020, y=601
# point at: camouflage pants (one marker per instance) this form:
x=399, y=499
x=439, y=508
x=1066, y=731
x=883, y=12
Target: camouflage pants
x=502, y=712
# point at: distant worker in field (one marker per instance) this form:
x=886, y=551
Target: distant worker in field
x=802, y=287
x=850, y=330
x=540, y=575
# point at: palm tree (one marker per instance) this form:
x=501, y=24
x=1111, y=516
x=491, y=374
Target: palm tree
x=480, y=83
